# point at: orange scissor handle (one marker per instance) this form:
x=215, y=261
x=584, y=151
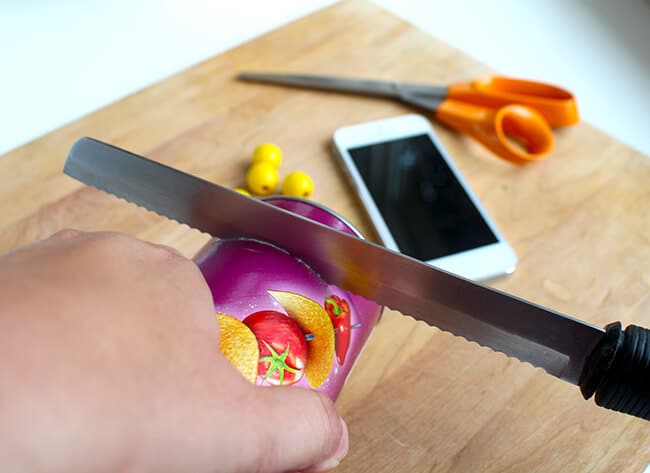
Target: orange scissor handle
x=514, y=132
x=558, y=106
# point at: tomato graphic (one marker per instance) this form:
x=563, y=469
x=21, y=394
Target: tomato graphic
x=339, y=311
x=283, y=348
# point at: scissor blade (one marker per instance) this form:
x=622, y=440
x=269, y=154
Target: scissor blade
x=357, y=86
x=555, y=342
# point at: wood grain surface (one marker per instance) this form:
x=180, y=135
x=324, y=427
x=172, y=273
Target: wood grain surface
x=418, y=399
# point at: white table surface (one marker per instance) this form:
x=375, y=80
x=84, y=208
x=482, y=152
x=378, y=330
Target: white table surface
x=62, y=60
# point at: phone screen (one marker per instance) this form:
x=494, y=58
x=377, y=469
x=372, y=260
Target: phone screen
x=422, y=202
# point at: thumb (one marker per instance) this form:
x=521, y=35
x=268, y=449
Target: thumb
x=300, y=429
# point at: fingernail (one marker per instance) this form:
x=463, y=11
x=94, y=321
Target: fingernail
x=341, y=452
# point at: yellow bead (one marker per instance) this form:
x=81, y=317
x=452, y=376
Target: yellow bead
x=242, y=191
x=298, y=184
x=268, y=153
x=262, y=178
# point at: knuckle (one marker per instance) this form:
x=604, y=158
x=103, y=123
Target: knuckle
x=111, y=242
x=111, y=238
x=164, y=252
x=120, y=245
x=66, y=234
x=110, y=247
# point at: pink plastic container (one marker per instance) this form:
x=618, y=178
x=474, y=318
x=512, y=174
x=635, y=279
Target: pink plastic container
x=280, y=323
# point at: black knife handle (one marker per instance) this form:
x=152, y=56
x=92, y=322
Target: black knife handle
x=618, y=371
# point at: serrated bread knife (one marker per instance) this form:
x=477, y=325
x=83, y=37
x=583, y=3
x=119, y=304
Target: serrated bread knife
x=612, y=363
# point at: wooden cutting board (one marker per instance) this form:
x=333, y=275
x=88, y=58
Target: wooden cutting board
x=419, y=399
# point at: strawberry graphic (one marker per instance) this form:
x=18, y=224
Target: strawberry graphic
x=339, y=311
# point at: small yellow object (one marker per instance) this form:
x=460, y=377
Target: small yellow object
x=262, y=178
x=298, y=184
x=268, y=153
x=242, y=191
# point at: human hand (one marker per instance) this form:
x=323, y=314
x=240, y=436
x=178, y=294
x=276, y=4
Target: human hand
x=110, y=363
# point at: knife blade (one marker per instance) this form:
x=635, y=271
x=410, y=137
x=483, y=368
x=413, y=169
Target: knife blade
x=612, y=363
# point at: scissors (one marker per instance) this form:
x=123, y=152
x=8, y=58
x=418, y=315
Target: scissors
x=510, y=117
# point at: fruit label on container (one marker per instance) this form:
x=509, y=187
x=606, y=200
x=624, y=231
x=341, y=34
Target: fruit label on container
x=280, y=323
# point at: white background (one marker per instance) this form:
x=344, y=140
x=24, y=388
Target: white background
x=61, y=59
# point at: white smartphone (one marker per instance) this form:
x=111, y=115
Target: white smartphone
x=418, y=200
